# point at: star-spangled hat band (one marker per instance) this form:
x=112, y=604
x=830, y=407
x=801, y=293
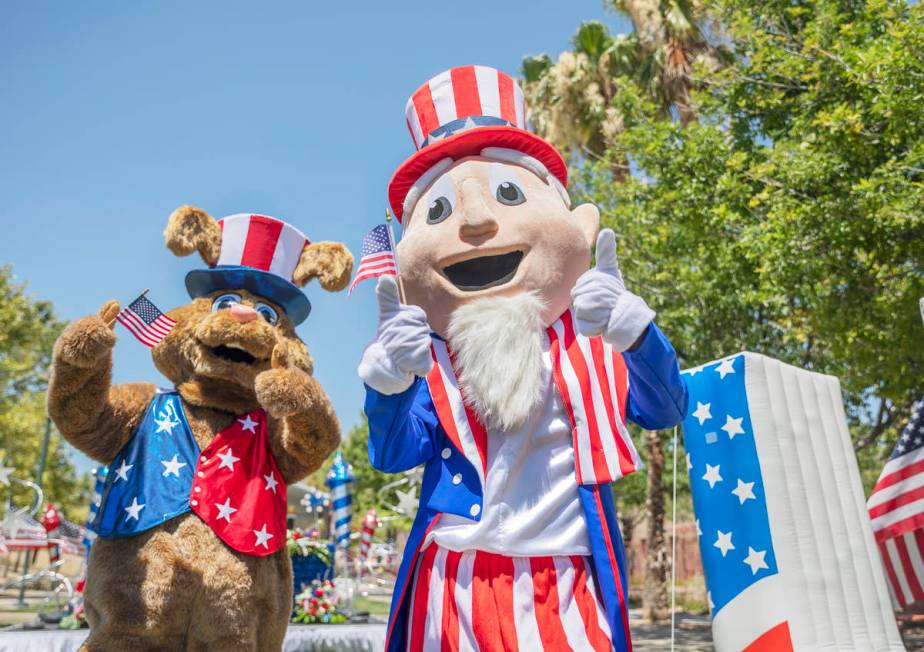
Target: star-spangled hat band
x=460, y=112
x=258, y=254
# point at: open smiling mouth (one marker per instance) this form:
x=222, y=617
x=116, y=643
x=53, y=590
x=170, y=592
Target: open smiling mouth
x=484, y=272
x=232, y=354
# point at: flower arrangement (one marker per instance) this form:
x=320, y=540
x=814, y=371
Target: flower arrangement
x=318, y=604
x=301, y=546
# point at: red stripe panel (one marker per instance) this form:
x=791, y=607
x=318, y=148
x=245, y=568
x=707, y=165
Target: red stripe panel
x=910, y=576
x=262, y=236
x=626, y=466
x=900, y=527
x=776, y=639
x=622, y=383
x=507, y=104
x=587, y=605
x=555, y=351
x=488, y=617
x=450, y=629
x=441, y=403
x=479, y=433
x=376, y=257
x=895, y=503
x=893, y=577
x=548, y=609
x=421, y=597
x=465, y=91
x=137, y=328
x=579, y=365
x=897, y=476
x=426, y=111
x=611, y=553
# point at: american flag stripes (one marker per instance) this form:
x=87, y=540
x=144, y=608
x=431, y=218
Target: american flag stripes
x=378, y=256
x=896, y=508
x=145, y=321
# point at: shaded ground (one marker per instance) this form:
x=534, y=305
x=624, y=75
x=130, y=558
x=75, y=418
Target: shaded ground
x=692, y=634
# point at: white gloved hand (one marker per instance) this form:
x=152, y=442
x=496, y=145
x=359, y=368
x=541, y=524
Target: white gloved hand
x=603, y=306
x=401, y=349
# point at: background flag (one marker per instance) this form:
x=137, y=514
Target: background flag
x=786, y=542
x=145, y=321
x=896, y=508
x=378, y=256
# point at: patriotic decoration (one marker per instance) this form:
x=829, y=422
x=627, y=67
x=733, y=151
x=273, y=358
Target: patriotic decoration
x=787, y=548
x=259, y=254
x=583, y=369
x=378, y=256
x=896, y=508
x=370, y=523
x=340, y=480
x=145, y=321
x=21, y=531
x=234, y=484
x=460, y=112
x=51, y=520
x=485, y=595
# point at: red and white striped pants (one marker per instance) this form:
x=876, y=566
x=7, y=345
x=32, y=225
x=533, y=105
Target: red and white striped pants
x=483, y=601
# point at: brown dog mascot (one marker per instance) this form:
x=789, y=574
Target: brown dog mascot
x=182, y=561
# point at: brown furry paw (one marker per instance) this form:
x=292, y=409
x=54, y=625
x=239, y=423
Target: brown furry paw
x=285, y=392
x=85, y=341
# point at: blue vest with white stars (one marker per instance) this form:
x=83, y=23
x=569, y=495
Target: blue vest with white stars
x=150, y=479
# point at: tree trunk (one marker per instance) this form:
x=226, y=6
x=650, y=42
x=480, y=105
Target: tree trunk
x=654, y=590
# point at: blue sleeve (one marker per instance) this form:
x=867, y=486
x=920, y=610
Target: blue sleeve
x=657, y=394
x=402, y=427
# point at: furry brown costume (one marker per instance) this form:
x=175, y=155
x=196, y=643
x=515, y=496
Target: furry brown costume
x=177, y=585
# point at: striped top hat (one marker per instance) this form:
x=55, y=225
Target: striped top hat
x=460, y=112
x=258, y=254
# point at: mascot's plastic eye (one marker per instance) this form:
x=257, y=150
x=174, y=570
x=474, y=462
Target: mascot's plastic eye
x=440, y=209
x=225, y=301
x=509, y=193
x=267, y=313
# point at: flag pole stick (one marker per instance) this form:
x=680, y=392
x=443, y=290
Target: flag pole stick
x=391, y=241
x=674, y=546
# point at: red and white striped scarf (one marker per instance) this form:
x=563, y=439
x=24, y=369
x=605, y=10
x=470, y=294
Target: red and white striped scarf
x=593, y=383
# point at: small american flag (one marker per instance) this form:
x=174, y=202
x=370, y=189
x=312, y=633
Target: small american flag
x=896, y=508
x=145, y=321
x=378, y=258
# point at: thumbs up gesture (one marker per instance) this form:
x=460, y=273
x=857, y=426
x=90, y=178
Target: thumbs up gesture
x=603, y=306
x=401, y=349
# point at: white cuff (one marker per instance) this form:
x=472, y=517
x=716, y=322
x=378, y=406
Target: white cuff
x=378, y=371
x=628, y=320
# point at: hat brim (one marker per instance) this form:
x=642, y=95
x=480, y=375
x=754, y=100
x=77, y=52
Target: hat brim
x=470, y=143
x=202, y=282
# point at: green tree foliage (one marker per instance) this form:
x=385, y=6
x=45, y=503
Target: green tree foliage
x=28, y=329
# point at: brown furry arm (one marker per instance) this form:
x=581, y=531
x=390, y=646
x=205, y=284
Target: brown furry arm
x=307, y=430
x=93, y=416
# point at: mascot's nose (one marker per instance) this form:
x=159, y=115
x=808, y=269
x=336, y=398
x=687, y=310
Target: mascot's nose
x=243, y=313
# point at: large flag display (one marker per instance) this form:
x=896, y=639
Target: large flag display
x=896, y=508
x=786, y=542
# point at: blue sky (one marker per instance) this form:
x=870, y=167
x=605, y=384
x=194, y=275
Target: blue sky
x=112, y=114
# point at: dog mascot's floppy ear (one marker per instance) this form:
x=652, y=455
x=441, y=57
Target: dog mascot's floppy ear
x=191, y=229
x=329, y=262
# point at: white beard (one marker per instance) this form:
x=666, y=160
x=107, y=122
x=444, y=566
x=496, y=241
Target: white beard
x=497, y=343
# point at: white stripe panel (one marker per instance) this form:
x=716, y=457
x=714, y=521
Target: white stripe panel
x=488, y=91
x=896, y=560
x=914, y=553
x=443, y=98
x=518, y=105
x=606, y=434
x=583, y=458
x=601, y=612
x=463, y=598
x=416, y=132
x=289, y=248
x=524, y=611
x=233, y=236
x=899, y=514
x=571, y=620
x=620, y=425
x=760, y=607
x=434, y=627
x=470, y=449
x=900, y=462
x=915, y=481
